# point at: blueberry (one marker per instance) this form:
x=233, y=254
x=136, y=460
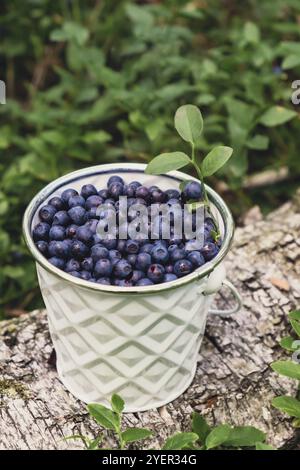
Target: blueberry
x=92, y=225
x=58, y=249
x=78, y=215
x=42, y=246
x=75, y=274
x=41, y=231
x=196, y=258
x=122, y=269
x=103, y=280
x=86, y=275
x=93, y=201
x=123, y=283
x=110, y=203
x=57, y=232
x=87, y=264
x=92, y=279
x=160, y=254
x=103, y=268
x=110, y=243
x=169, y=268
x=132, y=247
x=57, y=262
x=114, y=254
x=121, y=245
x=156, y=273
x=76, y=201
x=136, y=276
x=146, y=248
x=144, y=282
x=115, y=179
x=72, y=265
x=176, y=254
x=129, y=191
x=158, y=196
x=79, y=250
x=103, y=193
x=88, y=190
x=192, y=190
x=98, y=252
x=135, y=184
x=169, y=277
x=71, y=231
x=61, y=218
x=142, y=192
x=132, y=259
x=143, y=261
x=183, y=267
x=57, y=202
x=172, y=194
x=115, y=190
x=67, y=193
x=85, y=235
x=47, y=213
x=209, y=251
x=92, y=213
x=161, y=243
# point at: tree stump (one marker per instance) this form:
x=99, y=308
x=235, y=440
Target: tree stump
x=234, y=382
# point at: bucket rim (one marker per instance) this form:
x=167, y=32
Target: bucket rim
x=179, y=176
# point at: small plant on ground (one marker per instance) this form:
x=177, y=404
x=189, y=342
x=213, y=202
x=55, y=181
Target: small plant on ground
x=201, y=437
x=290, y=368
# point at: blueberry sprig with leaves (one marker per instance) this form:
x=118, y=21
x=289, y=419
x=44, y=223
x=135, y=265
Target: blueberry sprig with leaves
x=189, y=125
x=290, y=405
x=201, y=437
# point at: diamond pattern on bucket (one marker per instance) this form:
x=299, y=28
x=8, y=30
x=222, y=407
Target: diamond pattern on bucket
x=142, y=347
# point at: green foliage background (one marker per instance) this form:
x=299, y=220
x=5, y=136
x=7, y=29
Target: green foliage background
x=98, y=81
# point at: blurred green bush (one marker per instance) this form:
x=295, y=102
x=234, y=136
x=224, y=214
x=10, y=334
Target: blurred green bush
x=99, y=81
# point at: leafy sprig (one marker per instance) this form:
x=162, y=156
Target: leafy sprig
x=188, y=122
x=201, y=436
x=288, y=404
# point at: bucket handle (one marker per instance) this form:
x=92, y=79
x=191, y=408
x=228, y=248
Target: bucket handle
x=230, y=311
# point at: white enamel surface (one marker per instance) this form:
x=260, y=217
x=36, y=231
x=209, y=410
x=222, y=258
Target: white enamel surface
x=145, y=349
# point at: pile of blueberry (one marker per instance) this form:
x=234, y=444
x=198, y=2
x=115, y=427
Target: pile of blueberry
x=67, y=236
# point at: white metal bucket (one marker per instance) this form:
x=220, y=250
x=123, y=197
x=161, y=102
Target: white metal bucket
x=139, y=342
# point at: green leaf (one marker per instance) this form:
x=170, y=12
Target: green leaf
x=258, y=142
x=117, y=403
x=104, y=416
x=251, y=33
x=189, y=123
x=217, y=436
x=296, y=326
x=215, y=159
x=180, y=440
x=166, y=162
x=296, y=423
x=241, y=436
x=95, y=443
x=277, y=115
x=70, y=31
x=200, y=427
x=289, y=405
x=135, y=434
x=263, y=446
x=287, y=368
x=289, y=343
x=290, y=62
x=295, y=315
